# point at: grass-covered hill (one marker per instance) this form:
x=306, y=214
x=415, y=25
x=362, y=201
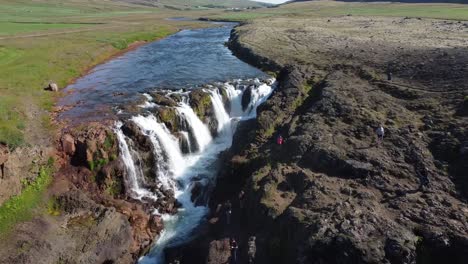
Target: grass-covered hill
x=184, y=4
x=401, y=1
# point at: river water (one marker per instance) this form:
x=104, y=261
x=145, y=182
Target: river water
x=187, y=59
x=173, y=67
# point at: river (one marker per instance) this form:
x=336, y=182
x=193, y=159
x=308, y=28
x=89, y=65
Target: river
x=185, y=155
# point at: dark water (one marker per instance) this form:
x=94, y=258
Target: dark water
x=184, y=60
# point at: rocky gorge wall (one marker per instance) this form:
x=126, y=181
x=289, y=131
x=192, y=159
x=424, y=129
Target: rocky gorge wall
x=330, y=193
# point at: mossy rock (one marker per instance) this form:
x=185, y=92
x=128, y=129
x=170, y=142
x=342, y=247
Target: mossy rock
x=226, y=101
x=163, y=100
x=169, y=116
x=200, y=101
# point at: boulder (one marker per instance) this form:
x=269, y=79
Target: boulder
x=52, y=87
x=68, y=144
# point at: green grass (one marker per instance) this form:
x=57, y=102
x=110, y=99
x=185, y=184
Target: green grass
x=122, y=42
x=21, y=208
x=11, y=121
x=10, y=28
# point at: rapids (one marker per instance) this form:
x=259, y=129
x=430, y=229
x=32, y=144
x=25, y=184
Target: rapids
x=178, y=171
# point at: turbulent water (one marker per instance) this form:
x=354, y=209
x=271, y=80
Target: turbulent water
x=124, y=87
x=179, y=171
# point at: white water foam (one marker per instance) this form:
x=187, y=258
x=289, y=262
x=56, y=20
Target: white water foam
x=134, y=174
x=177, y=171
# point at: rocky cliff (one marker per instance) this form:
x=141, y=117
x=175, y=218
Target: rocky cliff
x=331, y=193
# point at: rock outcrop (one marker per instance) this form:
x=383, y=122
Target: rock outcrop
x=331, y=193
x=91, y=216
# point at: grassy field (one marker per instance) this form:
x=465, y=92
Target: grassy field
x=330, y=9
x=51, y=41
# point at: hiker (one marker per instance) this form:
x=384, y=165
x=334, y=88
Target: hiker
x=380, y=134
x=234, y=248
x=423, y=174
x=241, y=199
x=228, y=208
x=252, y=249
x=389, y=75
x=280, y=140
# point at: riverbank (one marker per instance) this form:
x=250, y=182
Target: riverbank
x=331, y=193
x=29, y=63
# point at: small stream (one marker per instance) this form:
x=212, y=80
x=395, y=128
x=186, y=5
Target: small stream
x=185, y=156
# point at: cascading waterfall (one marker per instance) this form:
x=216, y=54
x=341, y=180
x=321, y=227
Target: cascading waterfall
x=224, y=121
x=178, y=171
x=235, y=98
x=200, y=130
x=134, y=174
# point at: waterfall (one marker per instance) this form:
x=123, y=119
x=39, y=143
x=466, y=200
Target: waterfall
x=200, y=131
x=224, y=121
x=134, y=175
x=163, y=140
x=177, y=171
x=235, y=97
x=259, y=96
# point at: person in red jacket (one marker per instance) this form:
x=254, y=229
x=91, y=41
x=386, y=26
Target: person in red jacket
x=280, y=140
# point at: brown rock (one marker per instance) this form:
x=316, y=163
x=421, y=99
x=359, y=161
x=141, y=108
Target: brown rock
x=4, y=153
x=68, y=144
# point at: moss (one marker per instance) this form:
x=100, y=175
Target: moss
x=260, y=174
x=53, y=207
x=200, y=102
x=109, y=141
x=91, y=165
x=168, y=115
x=114, y=188
x=98, y=164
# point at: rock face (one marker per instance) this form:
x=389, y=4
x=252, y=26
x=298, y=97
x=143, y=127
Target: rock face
x=91, y=217
x=331, y=193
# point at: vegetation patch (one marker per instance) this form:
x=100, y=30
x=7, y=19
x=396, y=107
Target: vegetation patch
x=20, y=208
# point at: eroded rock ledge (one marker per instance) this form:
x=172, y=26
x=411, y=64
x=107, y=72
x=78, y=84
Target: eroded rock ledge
x=330, y=194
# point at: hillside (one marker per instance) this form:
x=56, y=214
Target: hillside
x=197, y=3
x=397, y=1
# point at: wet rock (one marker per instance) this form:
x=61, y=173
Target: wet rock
x=163, y=100
x=246, y=97
x=132, y=130
x=169, y=116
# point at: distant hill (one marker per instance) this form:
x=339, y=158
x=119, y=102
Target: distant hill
x=198, y=3
x=401, y=1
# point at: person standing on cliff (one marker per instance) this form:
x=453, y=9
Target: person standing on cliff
x=252, y=250
x=380, y=131
x=423, y=175
x=228, y=209
x=280, y=140
x=234, y=248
